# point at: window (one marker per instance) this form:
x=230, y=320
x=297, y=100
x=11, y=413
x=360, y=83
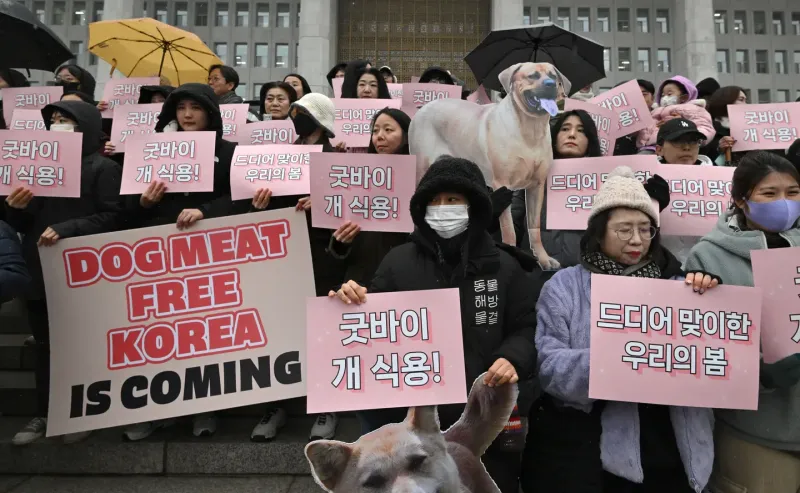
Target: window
x=57, y=17
x=76, y=47
x=721, y=21
x=777, y=24
x=92, y=59
x=222, y=15
x=607, y=59
x=747, y=94
x=281, y=55
x=764, y=96
x=262, y=14
x=526, y=16
x=241, y=90
x=242, y=14
x=201, y=14
x=257, y=90
x=563, y=18
x=723, y=61
x=780, y=62
x=97, y=13
x=604, y=20
x=762, y=62
x=296, y=55
x=796, y=23
x=240, y=54
x=38, y=9
x=740, y=22
x=662, y=20
x=262, y=55
x=283, y=15
x=298, y=18
x=782, y=96
x=742, y=62
x=584, y=20
x=78, y=13
x=221, y=49
x=623, y=20
x=663, y=61
x=181, y=14
x=643, y=59
x=542, y=15
x=161, y=12
x=643, y=20
x=624, y=57
x=144, y=10
x=759, y=22
x=797, y=62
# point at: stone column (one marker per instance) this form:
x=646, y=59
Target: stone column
x=317, y=43
x=696, y=45
x=112, y=10
x=506, y=13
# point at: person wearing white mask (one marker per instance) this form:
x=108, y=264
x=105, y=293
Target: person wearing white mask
x=450, y=248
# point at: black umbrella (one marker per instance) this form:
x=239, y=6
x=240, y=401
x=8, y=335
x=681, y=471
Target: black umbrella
x=579, y=59
x=27, y=43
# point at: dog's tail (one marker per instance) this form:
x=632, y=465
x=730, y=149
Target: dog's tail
x=486, y=413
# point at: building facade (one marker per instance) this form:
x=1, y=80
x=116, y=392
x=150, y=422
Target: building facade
x=740, y=42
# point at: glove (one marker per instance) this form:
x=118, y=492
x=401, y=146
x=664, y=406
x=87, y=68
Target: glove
x=658, y=189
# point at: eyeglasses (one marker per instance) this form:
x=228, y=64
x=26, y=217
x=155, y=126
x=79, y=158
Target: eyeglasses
x=644, y=233
x=215, y=80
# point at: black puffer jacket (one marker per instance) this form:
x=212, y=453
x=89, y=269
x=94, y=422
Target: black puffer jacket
x=96, y=211
x=212, y=204
x=506, y=331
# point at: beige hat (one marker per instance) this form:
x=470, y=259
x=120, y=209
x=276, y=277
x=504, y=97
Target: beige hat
x=623, y=189
x=321, y=109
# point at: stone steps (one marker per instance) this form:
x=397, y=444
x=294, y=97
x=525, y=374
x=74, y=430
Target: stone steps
x=159, y=484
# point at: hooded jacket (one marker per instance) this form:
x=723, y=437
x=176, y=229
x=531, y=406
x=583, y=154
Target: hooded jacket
x=86, y=83
x=146, y=93
x=332, y=72
x=693, y=109
x=726, y=252
x=14, y=277
x=96, y=211
x=212, y=204
x=486, y=275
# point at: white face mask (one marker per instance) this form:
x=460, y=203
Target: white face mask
x=62, y=127
x=447, y=220
x=668, y=101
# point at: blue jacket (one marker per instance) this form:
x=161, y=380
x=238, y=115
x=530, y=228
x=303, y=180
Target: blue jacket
x=14, y=277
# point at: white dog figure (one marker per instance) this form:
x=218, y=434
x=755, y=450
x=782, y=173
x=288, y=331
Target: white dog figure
x=509, y=141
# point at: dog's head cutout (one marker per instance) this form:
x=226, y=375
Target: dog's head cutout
x=534, y=87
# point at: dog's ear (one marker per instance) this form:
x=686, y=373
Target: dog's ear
x=424, y=419
x=505, y=76
x=328, y=460
x=565, y=83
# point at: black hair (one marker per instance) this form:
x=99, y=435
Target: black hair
x=332, y=72
x=593, y=148
x=303, y=82
x=751, y=170
x=647, y=85
x=402, y=119
x=86, y=82
x=684, y=91
x=722, y=97
x=14, y=78
x=82, y=95
x=228, y=73
x=597, y=227
x=289, y=90
x=350, y=83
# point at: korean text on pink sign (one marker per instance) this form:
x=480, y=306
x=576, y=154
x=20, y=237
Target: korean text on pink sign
x=764, y=126
x=27, y=120
x=417, y=95
x=353, y=119
x=267, y=132
x=32, y=98
x=657, y=341
x=122, y=92
x=604, y=119
x=283, y=169
x=372, y=190
x=183, y=161
x=777, y=273
x=47, y=163
x=134, y=119
x=627, y=102
x=396, y=350
x=234, y=119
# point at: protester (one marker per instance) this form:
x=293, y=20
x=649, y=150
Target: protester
x=275, y=99
x=626, y=144
x=585, y=94
x=793, y=154
x=757, y=451
x=450, y=248
x=224, y=80
x=365, y=84
x=353, y=71
x=299, y=83
x=44, y=220
x=722, y=142
x=154, y=94
x=10, y=78
x=75, y=78
x=14, y=277
x=579, y=445
x=336, y=72
x=707, y=87
x=436, y=75
x=388, y=75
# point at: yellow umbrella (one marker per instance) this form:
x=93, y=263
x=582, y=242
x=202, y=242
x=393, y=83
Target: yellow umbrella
x=146, y=48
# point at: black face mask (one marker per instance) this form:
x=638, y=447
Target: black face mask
x=304, y=125
x=69, y=86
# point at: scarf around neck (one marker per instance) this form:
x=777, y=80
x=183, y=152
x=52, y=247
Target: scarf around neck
x=600, y=264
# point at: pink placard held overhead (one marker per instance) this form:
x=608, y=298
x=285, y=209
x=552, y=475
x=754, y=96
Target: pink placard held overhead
x=627, y=102
x=657, y=341
x=764, y=126
x=122, y=92
x=133, y=119
x=28, y=98
x=284, y=169
x=396, y=350
x=372, y=190
x=415, y=96
x=604, y=119
x=777, y=272
x=266, y=132
x=479, y=96
x=336, y=84
x=183, y=161
x=396, y=90
x=234, y=118
x=27, y=120
x=353, y=119
x=47, y=163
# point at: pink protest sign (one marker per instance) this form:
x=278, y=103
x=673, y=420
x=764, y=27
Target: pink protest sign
x=183, y=161
x=234, y=118
x=396, y=90
x=698, y=197
x=266, y=132
x=122, y=92
x=395, y=350
x=27, y=120
x=47, y=163
x=414, y=79
x=372, y=190
x=415, y=96
x=133, y=119
x=336, y=83
x=284, y=169
x=354, y=117
x=604, y=119
x=657, y=341
x=30, y=98
x=627, y=102
x=764, y=126
x=479, y=96
x=777, y=273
